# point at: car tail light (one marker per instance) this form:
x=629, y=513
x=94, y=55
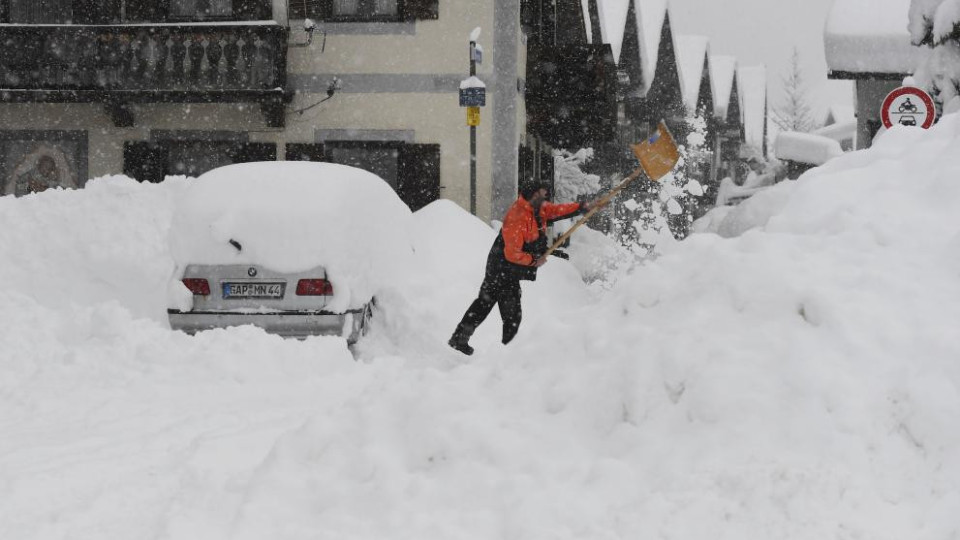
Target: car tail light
x=314, y=287
x=197, y=286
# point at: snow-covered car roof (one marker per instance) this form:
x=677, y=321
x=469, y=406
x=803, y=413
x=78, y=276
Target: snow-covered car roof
x=292, y=216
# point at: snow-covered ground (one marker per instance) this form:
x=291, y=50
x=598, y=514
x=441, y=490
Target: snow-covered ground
x=795, y=380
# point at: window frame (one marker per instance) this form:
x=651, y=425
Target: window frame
x=152, y=12
x=170, y=17
x=366, y=17
x=331, y=146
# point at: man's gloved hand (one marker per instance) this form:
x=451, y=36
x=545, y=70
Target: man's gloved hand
x=586, y=206
x=540, y=261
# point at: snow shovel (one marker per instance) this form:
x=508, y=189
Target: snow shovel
x=657, y=155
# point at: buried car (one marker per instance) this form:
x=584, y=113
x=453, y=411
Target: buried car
x=295, y=248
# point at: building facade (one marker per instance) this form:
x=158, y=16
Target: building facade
x=176, y=87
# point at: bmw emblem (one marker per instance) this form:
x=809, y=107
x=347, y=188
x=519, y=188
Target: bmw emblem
x=252, y=272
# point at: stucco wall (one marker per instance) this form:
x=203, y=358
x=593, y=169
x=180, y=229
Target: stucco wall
x=399, y=81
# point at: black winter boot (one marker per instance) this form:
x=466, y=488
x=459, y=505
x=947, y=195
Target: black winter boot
x=460, y=343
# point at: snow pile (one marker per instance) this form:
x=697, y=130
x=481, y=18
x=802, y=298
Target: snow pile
x=870, y=36
x=293, y=216
x=845, y=130
x=798, y=379
x=66, y=247
x=807, y=148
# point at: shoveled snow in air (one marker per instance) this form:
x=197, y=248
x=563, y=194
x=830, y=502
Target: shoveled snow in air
x=796, y=381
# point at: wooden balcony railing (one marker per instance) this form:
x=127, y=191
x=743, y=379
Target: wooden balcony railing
x=187, y=62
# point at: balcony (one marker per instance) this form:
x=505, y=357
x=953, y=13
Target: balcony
x=146, y=63
x=571, y=95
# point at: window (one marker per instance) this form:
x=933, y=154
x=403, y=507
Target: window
x=380, y=158
x=41, y=11
x=365, y=9
x=200, y=9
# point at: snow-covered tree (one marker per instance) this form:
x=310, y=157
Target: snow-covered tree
x=794, y=114
x=936, y=24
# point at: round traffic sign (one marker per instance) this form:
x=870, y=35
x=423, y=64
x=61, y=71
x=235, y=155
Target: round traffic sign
x=908, y=106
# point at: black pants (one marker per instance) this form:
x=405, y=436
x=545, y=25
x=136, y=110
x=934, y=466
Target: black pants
x=499, y=290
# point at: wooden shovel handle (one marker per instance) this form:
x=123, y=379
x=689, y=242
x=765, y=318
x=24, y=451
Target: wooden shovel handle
x=600, y=204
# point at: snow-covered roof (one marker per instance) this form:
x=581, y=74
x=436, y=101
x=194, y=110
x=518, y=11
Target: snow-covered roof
x=613, y=23
x=806, y=147
x=845, y=130
x=691, y=54
x=722, y=71
x=870, y=36
x=839, y=114
x=752, y=83
x=650, y=15
x=585, y=8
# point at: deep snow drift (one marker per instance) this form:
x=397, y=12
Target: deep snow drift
x=793, y=377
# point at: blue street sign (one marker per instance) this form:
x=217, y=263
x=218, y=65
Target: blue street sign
x=473, y=97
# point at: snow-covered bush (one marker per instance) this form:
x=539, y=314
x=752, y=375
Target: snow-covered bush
x=936, y=24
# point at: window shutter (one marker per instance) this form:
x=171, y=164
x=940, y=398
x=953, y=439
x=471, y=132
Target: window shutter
x=144, y=161
x=96, y=11
x=147, y=11
x=421, y=9
x=524, y=167
x=256, y=151
x=546, y=170
x=419, y=174
x=314, y=9
x=305, y=152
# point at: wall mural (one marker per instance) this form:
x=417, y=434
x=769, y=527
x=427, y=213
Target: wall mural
x=37, y=161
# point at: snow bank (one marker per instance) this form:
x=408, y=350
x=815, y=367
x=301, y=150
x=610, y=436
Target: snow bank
x=845, y=130
x=807, y=148
x=291, y=216
x=105, y=243
x=797, y=379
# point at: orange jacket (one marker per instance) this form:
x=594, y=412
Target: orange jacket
x=520, y=227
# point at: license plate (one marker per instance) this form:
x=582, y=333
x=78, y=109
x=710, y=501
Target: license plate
x=253, y=290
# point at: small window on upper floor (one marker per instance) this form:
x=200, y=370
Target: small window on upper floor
x=364, y=10
x=200, y=10
x=41, y=11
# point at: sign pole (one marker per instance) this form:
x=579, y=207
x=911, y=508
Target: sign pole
x=473, y=139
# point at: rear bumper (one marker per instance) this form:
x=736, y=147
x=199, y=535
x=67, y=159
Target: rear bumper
x=295, y=324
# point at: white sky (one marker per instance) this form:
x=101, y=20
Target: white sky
x=765, y=32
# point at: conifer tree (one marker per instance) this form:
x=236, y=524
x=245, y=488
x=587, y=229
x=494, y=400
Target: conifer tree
x=795, y=113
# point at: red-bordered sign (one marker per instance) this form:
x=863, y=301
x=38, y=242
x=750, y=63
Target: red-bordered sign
x=908, y=106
